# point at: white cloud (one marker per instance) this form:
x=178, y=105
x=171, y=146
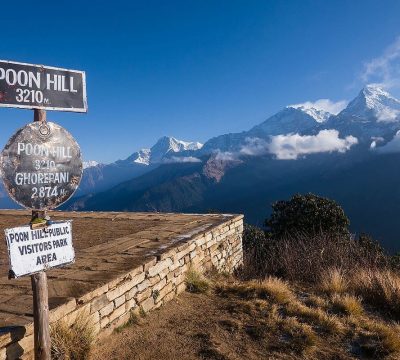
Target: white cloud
x=324, y=105
x=291, y=146
x=179, y=159
x=385, y=69
x=255, y=147
x=387, y=114
x=375, y=141
x=392, y=146
x=226, y=156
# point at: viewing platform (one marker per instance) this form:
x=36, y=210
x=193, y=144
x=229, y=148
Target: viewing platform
x=124, y=261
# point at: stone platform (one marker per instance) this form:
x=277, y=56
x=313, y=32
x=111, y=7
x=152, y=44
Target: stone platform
x=124, y=261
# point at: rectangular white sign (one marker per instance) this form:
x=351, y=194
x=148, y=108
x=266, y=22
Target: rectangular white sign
x=35, y=250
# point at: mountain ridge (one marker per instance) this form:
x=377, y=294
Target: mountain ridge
x=226, y=178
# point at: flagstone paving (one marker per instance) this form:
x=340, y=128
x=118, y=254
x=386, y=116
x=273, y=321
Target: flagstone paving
x=106, y=245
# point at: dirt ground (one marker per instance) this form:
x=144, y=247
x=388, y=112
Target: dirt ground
x=239, y=320
x=193, y=326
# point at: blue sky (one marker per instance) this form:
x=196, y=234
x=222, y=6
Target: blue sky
x=197, y=69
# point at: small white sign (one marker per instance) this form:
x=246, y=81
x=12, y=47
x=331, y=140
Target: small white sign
x=35, y=250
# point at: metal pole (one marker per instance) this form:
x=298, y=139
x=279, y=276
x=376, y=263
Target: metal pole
x=40, y=292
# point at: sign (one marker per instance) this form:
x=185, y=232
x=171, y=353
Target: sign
x=31, y=251
x=41, y=166
x=31, y=86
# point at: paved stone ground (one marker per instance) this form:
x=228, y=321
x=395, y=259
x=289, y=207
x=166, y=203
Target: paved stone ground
x=106, y=244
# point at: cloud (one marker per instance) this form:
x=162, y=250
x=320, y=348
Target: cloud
x=291, y=146
x=255, y=147
x=226, y=156
x=287, y=147
x=183, y=159
x=375, y=141
x=393, y=146
x=323, y=104
x=387, y=114
x=385, y=69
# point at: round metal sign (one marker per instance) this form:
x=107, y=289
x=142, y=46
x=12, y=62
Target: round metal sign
x=41, y=166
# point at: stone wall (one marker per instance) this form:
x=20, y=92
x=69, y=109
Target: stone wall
x=145, y=287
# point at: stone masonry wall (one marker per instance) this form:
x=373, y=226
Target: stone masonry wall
x=145, y=287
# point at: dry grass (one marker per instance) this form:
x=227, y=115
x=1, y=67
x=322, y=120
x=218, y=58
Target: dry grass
x=317, y=317
x=349, y=291
x=133, y=320
x=301, y=336
x=271, y=288
x=333, y=281
x=277, y=289
x=72, y=342
x=386, y=335
x=305, y=326
x=196, y=282
x=379, y=288
x=347, y=304
x=316, y=301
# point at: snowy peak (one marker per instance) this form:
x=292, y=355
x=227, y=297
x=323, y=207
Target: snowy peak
x=142, y=157
x=288, y=120
x=167, y=145
x=318, y=115
x=162, y=148
x=89, y=164
x=374, y=103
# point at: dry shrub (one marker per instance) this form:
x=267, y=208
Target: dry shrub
x=304, y=257
x=347, y=304
x=333, y=281
x=196, y=282
x=72, y=342
x=380, y=288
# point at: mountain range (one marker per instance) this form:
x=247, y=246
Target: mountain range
x=350, y=156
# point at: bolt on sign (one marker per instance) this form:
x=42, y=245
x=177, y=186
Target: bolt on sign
x=33, y=250
x=41, y=166
x=42, y=87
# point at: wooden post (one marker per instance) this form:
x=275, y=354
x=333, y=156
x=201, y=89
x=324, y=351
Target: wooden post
x=39, y=115
x=41, y=316
x=40, y=293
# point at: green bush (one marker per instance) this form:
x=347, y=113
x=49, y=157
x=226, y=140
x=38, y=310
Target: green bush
x=307, y=215
x=257, y=247
x=253, y=236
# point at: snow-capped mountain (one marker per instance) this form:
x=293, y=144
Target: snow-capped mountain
x=351, y=157
x=374, y=104
x=319, y=115
x=139, y=157
x=163, y=149
x=373, y=114
x=98, y=177
x=90, y=163
x=372, y=118
x=290, y=120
